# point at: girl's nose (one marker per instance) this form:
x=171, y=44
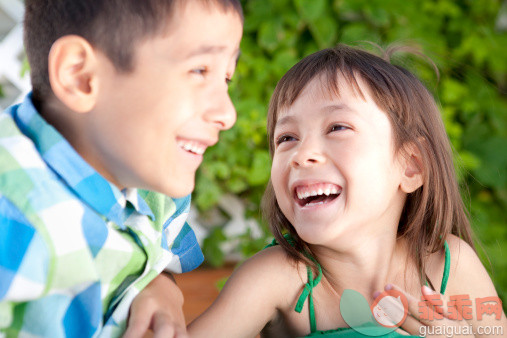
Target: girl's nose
x=308, y=154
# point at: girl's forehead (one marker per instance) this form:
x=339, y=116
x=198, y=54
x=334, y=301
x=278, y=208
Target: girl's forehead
x=321, y=92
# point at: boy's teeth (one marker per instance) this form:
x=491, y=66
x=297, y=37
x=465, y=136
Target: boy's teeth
x=192, y=147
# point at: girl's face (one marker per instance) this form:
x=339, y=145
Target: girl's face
x=335, y=171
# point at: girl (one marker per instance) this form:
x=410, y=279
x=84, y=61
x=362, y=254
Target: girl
x=363, y=186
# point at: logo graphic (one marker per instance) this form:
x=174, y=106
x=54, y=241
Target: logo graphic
x=386, y=314
x=390, y=308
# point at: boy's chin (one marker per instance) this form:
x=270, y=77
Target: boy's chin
x=177, y=189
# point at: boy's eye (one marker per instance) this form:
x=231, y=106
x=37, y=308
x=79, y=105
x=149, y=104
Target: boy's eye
x=200, y=70
x=284, y=138
x=228, y=80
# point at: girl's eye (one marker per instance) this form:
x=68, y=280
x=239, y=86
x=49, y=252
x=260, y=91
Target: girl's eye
x=284, y=138
x=338, y=127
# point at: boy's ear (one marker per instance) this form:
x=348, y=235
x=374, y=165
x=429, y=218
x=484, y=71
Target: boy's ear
x=72, y=66
x=412, y=176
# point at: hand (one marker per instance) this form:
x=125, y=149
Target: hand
x=431, y=312
x=157, y=308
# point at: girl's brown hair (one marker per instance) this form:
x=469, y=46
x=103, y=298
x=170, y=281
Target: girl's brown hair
x=430, y=212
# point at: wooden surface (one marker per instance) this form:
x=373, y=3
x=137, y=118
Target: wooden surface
x=199, y=288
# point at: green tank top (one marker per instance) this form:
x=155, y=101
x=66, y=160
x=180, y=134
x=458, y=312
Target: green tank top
x=344, y=332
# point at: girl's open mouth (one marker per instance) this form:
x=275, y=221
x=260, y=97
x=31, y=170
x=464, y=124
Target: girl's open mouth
x=316, y=194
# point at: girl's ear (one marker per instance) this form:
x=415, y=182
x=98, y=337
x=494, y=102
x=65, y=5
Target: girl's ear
x=412, y=176
x=72, y=66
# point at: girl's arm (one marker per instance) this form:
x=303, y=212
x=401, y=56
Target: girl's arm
x=250, y=298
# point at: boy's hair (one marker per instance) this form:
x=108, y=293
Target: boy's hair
x=113, y=26
x=430, y=212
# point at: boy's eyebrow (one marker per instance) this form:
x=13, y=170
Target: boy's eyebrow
x=207, y=49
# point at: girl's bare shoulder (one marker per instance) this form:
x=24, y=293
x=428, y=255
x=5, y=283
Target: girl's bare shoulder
x=275, y=276
x=273, y=269
x=257, y=292
x=466, y=273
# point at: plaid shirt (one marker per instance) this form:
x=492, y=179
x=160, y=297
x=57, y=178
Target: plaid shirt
x=75, y=250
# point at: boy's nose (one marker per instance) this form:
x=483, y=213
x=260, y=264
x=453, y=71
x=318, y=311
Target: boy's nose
x=223, y=113
x=308, y=154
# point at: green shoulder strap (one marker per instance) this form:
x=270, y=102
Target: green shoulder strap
x=447, y=268
x=307, y=293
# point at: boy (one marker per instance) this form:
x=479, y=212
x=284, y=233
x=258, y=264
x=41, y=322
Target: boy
x=126, y=94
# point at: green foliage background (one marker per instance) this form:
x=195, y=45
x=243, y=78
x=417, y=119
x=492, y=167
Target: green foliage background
x=461, y=38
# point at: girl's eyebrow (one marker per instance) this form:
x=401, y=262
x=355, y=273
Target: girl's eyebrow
x=288, y=119
x=334, y=107
x=328, y=109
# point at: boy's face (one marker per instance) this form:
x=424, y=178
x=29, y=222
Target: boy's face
x=151, y=126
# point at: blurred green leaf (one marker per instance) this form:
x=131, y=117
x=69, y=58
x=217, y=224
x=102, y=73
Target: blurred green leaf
x=259, y=172
x=311, y=10
x=325, y=31
x=269, y=35
x=211, y=247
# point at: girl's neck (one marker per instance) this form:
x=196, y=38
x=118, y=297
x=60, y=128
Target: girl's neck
x=366, y=265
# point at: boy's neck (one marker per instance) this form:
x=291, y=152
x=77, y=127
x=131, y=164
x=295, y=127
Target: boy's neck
x=72, y=126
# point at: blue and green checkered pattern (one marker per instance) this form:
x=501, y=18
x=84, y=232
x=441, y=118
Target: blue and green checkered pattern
x=75, y=250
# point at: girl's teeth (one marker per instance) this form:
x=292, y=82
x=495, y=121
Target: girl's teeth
x=303, y=193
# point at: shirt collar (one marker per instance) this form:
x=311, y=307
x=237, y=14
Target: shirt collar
x=86, y=182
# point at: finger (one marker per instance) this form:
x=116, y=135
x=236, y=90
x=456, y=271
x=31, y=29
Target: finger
x=164, y=330
x=411, y=324
x=402, y=332
x=137, y=325
x=164, y=326
x=422, y=315
x=181, y=332
x=413, y=303
x=393, y=309
x=435, y=300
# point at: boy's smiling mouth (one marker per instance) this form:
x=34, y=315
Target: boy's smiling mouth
x=193, y=147
x=315, y=194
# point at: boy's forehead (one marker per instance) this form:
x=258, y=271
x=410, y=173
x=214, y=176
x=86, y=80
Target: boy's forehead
x=197, y=30
x=194, y=9
x=204, y=20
